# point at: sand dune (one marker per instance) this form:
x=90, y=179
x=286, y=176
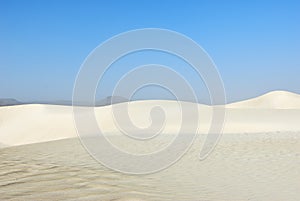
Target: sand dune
x=256, y=159
x=271, y=100
x=26, y=124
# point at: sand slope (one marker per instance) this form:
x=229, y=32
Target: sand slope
x=271, y=100
x=25, y=124
x=250, y=167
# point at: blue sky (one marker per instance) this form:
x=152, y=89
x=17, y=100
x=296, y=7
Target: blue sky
x=255, y=44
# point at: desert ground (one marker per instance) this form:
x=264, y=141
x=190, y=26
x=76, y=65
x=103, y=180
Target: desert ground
x=257, y=157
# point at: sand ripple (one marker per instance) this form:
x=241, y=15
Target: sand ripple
x=242, y=167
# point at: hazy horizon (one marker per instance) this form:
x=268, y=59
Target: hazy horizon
x=101, y=101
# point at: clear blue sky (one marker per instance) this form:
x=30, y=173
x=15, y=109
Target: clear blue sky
x=255, y=44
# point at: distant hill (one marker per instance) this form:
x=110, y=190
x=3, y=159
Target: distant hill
x=111, y=100
x=9, y=101
x=106, y=101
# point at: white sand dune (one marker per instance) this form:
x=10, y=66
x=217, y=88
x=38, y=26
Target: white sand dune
x=33, y=123
x=256, y=159
x=271, y=100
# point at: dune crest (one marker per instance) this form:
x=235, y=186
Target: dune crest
x=277, y=111
x=271, y=100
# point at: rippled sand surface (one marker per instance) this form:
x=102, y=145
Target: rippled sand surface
x=242, y=167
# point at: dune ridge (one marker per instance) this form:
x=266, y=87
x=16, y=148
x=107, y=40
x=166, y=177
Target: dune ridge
x=277, y=111
x=271, y=100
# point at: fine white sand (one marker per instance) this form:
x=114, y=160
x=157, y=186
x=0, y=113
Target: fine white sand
x=252, y=167
x=271, y=100
x=257, y=158
x=25, y=124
